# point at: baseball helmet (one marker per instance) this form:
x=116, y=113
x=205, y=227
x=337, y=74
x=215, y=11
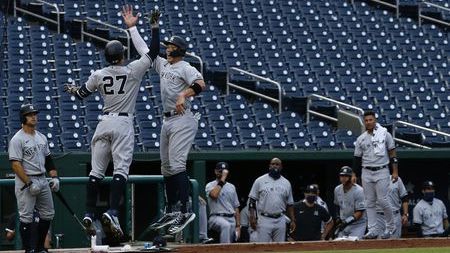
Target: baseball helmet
x=311, y=189
x=222, y=166
x=180, y=43
x=428, y=184
x=346, y=171
x=26, y=109
x=114, y=51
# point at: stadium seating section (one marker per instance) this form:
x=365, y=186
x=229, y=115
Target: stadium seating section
x=355, y=54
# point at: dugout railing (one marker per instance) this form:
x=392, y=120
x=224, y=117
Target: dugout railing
x=129, y=202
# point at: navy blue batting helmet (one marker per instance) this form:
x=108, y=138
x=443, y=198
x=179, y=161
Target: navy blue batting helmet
x=222, y=166
x=178, y=42
x=25, y=110
x=346, y=171
x=114, y=51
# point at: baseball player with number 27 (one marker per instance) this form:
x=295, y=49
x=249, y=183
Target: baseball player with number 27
x=114, y=136
x=179, y=81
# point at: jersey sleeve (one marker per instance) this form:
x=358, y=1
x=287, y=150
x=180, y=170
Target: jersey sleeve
x=336, y=201
x=444, y=211
x=358, y=151
x=236, y=203
x=402, y=192
x=390, y=144
x=191, y=74
x=290, y=198
x=324, y=215
x=140, y=66
x=92, y=83
x=417, y=215
x=15, y=150
x=47, y=148
x=360, y=202
x=208, y=188
x=254, y=191
x=159, y=63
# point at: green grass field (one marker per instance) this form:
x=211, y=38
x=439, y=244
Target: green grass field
x=412, y=250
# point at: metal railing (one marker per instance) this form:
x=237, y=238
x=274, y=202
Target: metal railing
x=83, y=32
x=395, y=6
x=309, y=111
x=235, y=86
x=130, y=205
x=199, y=59
x=428, y=4
x=399, y=122
x=57, y=22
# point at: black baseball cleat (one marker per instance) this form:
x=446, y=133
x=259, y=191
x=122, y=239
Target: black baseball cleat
x=111, y=225
x=89, y=226
x=181, y=222
x=165, y=220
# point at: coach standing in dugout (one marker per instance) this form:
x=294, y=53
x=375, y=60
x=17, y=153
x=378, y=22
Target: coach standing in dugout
x=270, y=197
x=374, y=152
x=223, y=205
x=30, y=159
x=309, y=216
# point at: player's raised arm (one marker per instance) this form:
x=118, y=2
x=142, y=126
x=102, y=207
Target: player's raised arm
x=140, y=45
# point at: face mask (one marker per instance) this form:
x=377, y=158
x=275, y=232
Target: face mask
x=275, y=173
x=428, y=196
x=311, y=199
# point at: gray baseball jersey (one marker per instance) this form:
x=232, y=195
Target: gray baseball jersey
x=30, y=150
x=349, y=202
x=430, y=216
x=174, y=78
x=364, y=147
x=114, y=135
x=272, y=196
x=227, y=201
x=119, y=85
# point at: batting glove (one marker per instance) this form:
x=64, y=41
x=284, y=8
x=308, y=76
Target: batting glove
x=54, y=184
x=71, y=88
x=154, y=18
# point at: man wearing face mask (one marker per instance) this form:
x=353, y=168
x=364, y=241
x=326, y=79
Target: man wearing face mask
x=350, y=206
x=309, y=216
x=224, y=205
x=270, y=197
x=430, y=214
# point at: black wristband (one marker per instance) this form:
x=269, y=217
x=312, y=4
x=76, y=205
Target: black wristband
x=221, y=183
x=393, y=160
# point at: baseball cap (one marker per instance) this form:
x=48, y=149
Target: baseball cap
x=311, y=189
x=346, y=171
x=222, y=166
x=428, y=184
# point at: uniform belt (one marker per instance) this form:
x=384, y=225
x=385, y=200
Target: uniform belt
x=395, y=212
x=272, y=215
x=37, y=175
x=116, y=114
x=170, y=114
x=375, y=168
x=222, y=214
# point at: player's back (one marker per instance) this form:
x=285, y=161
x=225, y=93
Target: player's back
x=119, y=85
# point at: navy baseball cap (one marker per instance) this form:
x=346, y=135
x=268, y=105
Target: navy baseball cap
x=346, y=171
x=311, y=189
x=222, y=166
x=428, y=185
